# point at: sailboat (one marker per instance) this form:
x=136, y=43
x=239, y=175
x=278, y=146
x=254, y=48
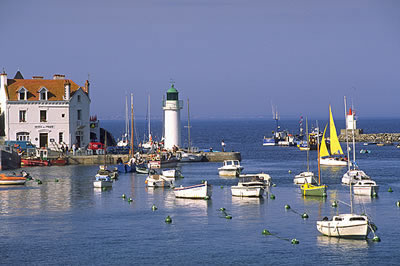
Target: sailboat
x=315, y=190
x=335, y=148
x=189, y=156
x=124, y=142
x=363, y=185
x=305, y=177
x=149, y=144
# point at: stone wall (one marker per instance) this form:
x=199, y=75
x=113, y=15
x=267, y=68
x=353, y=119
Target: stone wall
x=377, y=137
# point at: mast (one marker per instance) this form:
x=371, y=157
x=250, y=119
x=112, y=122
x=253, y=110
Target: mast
x=347, y=139
x=189, y=146
x=319, y=168
x=354, y=147
x=126, y=118
x=132, y=148
x=308, y=148
x=148, y=108
x=105, y=148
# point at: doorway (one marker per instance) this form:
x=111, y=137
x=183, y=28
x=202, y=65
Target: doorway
x=43, y=140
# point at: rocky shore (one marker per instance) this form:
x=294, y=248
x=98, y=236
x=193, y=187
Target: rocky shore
x=376, y=137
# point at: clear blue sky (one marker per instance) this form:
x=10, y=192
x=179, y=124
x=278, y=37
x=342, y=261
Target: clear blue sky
x=230, y=57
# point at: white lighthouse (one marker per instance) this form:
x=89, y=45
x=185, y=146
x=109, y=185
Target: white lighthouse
x=172, y=118
x=351, y=122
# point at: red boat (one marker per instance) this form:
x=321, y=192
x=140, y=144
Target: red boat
x=58, y=161
x=34, y=162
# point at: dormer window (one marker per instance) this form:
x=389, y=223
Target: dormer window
x=43, y=94
x=22, y=94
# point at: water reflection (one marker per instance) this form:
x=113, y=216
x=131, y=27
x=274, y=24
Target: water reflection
x=341, y=243
x=240, y=201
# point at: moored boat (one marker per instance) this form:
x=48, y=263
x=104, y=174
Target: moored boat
x=173, y=173
x=366, y=188
x=230, y=168
x=200, y=191
x=13, y=179
x=251, y=185
x=34, y=162
x=156, y=180
x=345, y=226
x=304, y=177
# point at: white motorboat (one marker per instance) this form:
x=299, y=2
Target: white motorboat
x=346, y=226
x=251, y=185
x=366, y=188
x=103, y=178
x=159, y=181
x=230, y=168
x=304, y=177
x=173, y=173
x=201, y=191
x=353, y=176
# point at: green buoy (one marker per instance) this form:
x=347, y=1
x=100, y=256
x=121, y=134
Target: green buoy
x=290, y=171
x=295, y=241
x=334, y=204
x=39, y=182
x=398, y=203
x=130, y=200
x=266, y=232
x=56, y=180
x=376, y=239
x=287, y=207
x=374, y=195
x=222, y=187
x=390, y=189
x=304, y=216
x=123, y=196
x=274, y=185
x=272, y=196
x=228, y=217
x=222, y=209
x=154, y=207
x=206, y=197
x=168, y=220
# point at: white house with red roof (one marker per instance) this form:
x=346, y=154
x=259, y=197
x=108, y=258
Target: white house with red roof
x=46, y=112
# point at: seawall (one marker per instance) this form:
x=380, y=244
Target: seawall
x=375, y=137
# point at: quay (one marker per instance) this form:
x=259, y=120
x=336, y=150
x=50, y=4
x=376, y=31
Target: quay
x=112, y=158
x=374, y=137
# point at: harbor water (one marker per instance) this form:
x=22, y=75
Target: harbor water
x=65, y=221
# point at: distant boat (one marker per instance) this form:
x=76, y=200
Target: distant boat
x=335, y=148
x=269, y=141
x=157, y=180
x=201, y=191
x=305, y=177
x=230, y=168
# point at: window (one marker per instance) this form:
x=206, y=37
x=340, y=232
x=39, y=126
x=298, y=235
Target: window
x=60, y=137
x=22, y=92
x=22, y=116
x=43, y=94
x=63, y=115
x=43, y=116
x=79, y=98
x=79, y=114
x=23, y=136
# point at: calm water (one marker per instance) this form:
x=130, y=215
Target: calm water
x=71, y=223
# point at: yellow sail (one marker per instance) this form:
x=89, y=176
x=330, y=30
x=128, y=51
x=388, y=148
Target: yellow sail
x=336, y=149
x=323, y=152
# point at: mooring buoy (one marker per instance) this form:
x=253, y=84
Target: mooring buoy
x=287, y=206
x=154, y=207
x=304, y=216
x=168, y=220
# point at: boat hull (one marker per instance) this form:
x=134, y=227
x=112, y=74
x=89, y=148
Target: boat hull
x=240, y=191
x=231, y=172
x=101, y=184
x=358, y=230
x=201, y=191
x=311, y=190
x=12, y=180
x=158, y=181
x=365, y=190
x=331, y=161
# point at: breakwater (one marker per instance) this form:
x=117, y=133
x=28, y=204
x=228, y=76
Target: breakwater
x=374, y=137
x=112, y=158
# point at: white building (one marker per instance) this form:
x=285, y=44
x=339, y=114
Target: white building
x=44, y=111
x=172, y=119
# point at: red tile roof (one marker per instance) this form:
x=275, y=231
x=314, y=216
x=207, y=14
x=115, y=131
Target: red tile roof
x=55, y=88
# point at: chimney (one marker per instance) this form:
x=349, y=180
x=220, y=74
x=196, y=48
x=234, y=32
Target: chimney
x=3, y=77
x=37, y=77
x=87, y=84
x=58, y=76
x=67, y=90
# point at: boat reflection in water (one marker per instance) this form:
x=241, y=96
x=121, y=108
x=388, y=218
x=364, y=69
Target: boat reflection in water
x=362, y=199
x=341, y=243
x=241, y=201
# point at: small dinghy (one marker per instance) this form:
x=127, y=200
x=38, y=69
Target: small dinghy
x=201, y=191
x=14, y=179
x=155, y=180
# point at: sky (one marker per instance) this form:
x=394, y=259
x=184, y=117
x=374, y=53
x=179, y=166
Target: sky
x=231, y=58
